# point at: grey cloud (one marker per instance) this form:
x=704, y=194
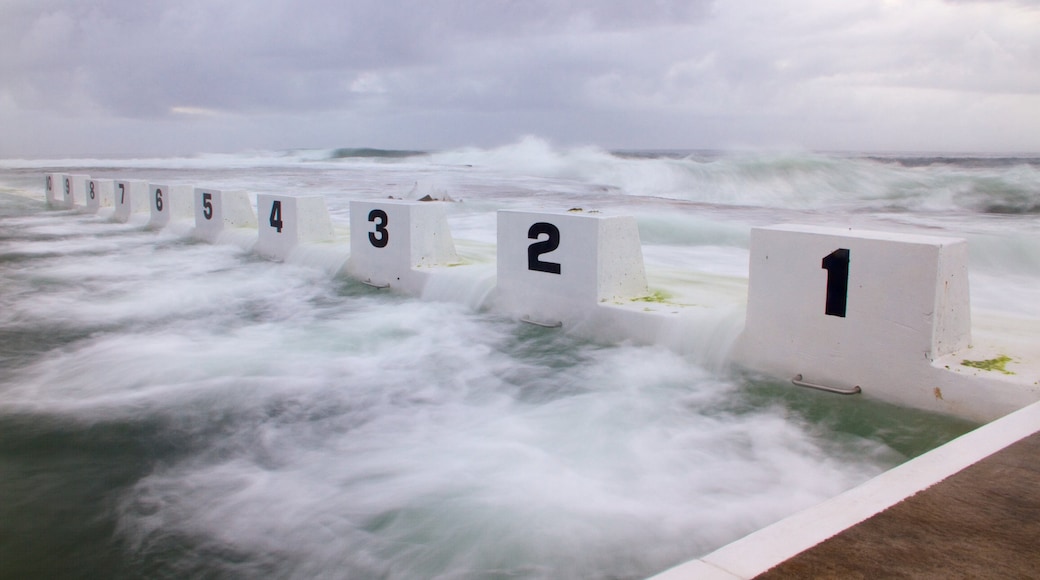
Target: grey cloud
x=138, y=58
x=663, y=73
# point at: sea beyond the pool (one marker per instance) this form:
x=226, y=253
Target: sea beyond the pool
x=171, y=408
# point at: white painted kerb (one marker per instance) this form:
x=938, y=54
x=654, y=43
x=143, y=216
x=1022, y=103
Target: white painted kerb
x=772, y=545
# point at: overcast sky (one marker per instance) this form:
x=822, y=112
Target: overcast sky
x=160, y=77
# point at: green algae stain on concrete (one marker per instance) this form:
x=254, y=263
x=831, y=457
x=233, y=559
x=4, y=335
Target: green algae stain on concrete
x=657, y=297
x=992, y=364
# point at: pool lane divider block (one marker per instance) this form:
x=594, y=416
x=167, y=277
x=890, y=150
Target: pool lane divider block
x=218, y=210
x=831, y=303
x=843, y=308
x=555, y=266
x=395, y=243
x=100, y=194
x=129, y=196
x=169, y=203
x=286, y=221
x=52, y=184
x=881, y=311
x=71, y=191
x=64, y=190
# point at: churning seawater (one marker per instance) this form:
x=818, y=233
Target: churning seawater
x=172, y=409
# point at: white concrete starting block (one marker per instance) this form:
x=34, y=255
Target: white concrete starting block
x=216, y=210
x=290, y=222
x=391, y=239
x=99, y=194
x=169, y=203
x=129, y=197
x=559, y=265
x=884, y=314
x=53, y=183
x=73, y=190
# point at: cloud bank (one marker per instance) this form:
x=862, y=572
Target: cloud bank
x=141, y=77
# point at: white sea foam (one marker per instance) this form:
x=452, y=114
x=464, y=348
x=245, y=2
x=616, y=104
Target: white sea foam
x=306, y=425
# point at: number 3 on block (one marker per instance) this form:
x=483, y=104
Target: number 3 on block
x=381, y=236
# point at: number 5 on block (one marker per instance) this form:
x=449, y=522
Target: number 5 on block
x=216, y=209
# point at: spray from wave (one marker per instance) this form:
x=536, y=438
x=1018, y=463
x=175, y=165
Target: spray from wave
x=798, y=180
x=791, y=179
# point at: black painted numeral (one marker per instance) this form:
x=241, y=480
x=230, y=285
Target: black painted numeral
x=92, y=194
x=122, y=194
x=276, y=216
x=535, y=250
x=50, y=184
x=381, y=237
x=68, y=187
x=158, y=200
x=837, y=265
x=207, y=205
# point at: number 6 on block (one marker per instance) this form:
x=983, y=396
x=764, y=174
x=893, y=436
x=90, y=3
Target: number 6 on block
x=169, y=202
x=551, y=266
x=286, y=221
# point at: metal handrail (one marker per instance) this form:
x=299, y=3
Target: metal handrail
x=797, y=380
x=542, y=324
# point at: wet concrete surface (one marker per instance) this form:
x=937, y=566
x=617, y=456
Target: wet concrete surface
x=982, y=522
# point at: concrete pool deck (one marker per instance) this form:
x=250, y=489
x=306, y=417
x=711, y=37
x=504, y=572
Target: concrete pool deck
x=968, y=509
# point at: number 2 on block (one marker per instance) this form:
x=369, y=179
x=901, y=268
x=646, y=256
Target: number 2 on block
x=837, y=265
x=535, y=250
